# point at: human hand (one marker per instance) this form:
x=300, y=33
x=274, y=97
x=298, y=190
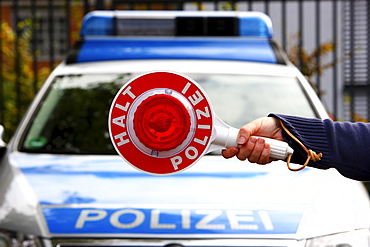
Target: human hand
x=252, y=148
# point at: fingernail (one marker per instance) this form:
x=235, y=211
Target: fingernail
x=252, y=139
x=261, y=141
x=241, y=140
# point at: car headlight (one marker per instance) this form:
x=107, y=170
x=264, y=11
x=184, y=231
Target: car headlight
x=16, y=239
x=347, y=239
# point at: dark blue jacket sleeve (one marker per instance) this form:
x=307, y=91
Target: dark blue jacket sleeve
x=345, y=146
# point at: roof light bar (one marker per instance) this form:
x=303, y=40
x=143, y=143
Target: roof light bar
x=256, y=50
x=177, y=23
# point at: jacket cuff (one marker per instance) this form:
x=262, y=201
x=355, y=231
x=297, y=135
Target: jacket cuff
x=311, y=133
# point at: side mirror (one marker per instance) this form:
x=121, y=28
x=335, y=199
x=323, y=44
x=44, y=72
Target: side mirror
x=2, y=143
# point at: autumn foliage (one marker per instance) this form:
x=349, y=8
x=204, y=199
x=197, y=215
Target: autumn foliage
x=19, y=80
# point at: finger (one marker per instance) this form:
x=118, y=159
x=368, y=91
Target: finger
x=247, y=148
x=229, y=152
x=265, y=155
x=257, y=150
x=241, y=140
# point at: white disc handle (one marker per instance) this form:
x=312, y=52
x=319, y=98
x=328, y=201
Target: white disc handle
x=225, y=136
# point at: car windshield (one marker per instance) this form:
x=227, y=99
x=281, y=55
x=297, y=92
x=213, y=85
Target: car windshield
x=73, y=116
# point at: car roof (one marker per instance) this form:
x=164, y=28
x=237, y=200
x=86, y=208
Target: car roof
x=127, y=35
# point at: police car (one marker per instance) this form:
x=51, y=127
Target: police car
x=62, y=183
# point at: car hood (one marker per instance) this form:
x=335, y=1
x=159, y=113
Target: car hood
x=103, y=196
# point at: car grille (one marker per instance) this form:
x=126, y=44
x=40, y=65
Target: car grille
x=171, y=242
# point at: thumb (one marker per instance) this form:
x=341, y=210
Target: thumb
x=264, y=126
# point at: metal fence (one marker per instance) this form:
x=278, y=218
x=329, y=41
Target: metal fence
x=327, y=40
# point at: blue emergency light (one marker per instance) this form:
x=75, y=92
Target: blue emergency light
x=212, y=35
x=177, y=23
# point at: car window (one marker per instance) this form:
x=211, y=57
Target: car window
x=72, y=117
x=238, y=99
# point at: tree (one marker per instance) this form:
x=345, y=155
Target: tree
x=311, y=63
x=17, y=74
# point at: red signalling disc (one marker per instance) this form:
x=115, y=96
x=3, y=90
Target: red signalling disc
x=161, y=122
